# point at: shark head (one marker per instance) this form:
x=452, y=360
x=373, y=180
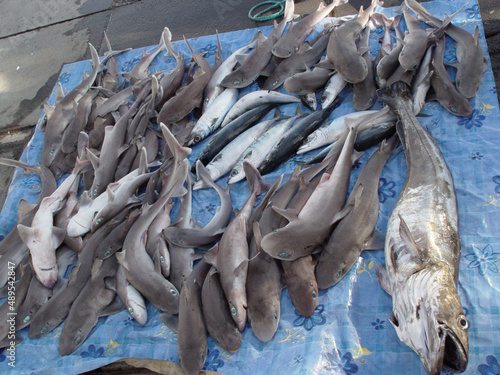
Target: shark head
x=428, y=317
x=265, y=318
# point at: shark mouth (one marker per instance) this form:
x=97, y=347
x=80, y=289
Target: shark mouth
x=455, y=356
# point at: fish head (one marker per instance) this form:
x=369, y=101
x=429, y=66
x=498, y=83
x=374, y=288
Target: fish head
x=70, y=340
x=195, y=138
x=355, y=71
x=466, y=86
x=136, y=306
x=236, y=174
x=283, y=51
x=98, y=221
x=236, y=80
x=266, y=317
x=428, y=317
x=309, y=100
x=238, y=307
x=410, y=56
x=49, y=154
x=47, y=277
x=193, y=359
x=304, y=295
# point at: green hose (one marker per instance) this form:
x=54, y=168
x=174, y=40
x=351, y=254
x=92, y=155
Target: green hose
x=259, y=16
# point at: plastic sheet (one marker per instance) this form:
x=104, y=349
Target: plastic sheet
x=349, y=331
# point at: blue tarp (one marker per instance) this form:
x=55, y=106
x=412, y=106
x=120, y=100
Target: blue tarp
x=349, y=331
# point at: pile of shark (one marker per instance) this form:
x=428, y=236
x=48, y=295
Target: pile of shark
x=124, y=150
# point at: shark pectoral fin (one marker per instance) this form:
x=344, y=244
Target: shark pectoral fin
x=156, y=261
x=180, y=191
x=324, y=65
x=363, y=50
x=289, y=214
x=383, y=278
x=342, y=213
x=257, y=233
x=407, y=238
x=24, y=208
x=94, y=160
x=304, y=47
x=58, y=234
x=110, y=192
x=241, y=267
x=211, y=255
x=240, y=58
x=375, y=242
x=26, y=233
x=113, y=308
x=49, y=110
x=59, y=92
x=171, y=321
x=110, y=283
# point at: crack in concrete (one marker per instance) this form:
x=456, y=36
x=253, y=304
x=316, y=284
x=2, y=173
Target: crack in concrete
x=114, y=5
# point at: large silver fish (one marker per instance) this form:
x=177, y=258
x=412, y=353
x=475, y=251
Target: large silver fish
x=422, y=248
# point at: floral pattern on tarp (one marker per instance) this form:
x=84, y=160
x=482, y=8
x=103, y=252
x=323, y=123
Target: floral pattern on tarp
x=483, y=259
x=316, y=319
x=64, y=78
x=210, y=49
x=496, y=180
x=213, y=361
x=346, y=364
x=492, y=367
x=378, y=324
x=386, y=189
x=476, y=156
x=475, y=119
x=93, y=352
x=473, y=12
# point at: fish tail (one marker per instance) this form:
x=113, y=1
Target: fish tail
x=254, y=178
x=398, y=90
x=166, y=39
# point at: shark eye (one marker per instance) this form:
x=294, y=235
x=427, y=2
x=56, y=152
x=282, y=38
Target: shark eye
x=290, y=51
x=275, y=83
x=27, y=319
x=162, y=259
x=283, y=255
x=453, y=109
x=275, y=317
x=314, y=295
x=77, y=340
x=130, y=310
x=463, y=322
x=233, y=310
x=206, y=100
x=340, y=273
x=51, y=152
x=236, y=82
x=98, y=221
x=173, y=292
x=95, y=192
x=173, y=119
x=402, y=54
x=43, y=330
x=106, y=253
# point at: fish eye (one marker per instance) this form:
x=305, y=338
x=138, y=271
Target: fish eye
x=77, y=340
x=203, y=357
x=98, y=221
x=206, y=100
x=340, y=273
x=130, y=310
x=233, y=173
x=283, y=255
x=236, y=82
x=162, y=259
x=27, y=319
x=370, y=100
x=275, y=317
x=463, y=322
x=233, y=310
x=314, y=295
x=95, y=192
x=197, y=138
x=43, y=330
x=51, y=152
x=106, y=253
x=275, y=83
x=402, y=54
x=453, y=109
x=173, y=292
x=323, y=98
x=173, y=119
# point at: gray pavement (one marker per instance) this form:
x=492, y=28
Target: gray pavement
x=38, y=38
